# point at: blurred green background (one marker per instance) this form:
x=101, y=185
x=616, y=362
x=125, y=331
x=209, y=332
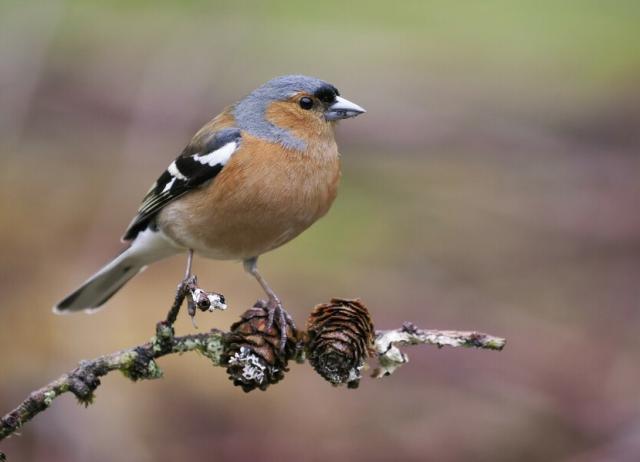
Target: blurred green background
x=493, y=185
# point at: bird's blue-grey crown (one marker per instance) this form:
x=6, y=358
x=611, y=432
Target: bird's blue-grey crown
x=250, y=111
x=281, y=88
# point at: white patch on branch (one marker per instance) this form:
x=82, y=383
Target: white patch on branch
x=390, y=357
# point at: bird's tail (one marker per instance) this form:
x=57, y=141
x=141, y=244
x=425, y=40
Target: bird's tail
x=148, y=247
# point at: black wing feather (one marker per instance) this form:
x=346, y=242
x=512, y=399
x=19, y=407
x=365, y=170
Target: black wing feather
x=192, y=173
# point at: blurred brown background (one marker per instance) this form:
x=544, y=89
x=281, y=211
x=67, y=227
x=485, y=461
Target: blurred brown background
x=492, y=185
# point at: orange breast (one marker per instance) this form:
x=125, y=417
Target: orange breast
x=264, y=197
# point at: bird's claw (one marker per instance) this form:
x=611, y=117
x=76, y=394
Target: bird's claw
x=278, y=316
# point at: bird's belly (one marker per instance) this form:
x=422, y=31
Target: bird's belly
x=233, y=239
x=235, y=235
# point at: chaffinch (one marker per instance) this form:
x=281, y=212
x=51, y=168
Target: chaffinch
x=250, y=180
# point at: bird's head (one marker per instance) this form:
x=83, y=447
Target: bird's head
x=293, y=110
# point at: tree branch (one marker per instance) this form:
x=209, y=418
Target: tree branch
x=136, y=363
x=139, y=362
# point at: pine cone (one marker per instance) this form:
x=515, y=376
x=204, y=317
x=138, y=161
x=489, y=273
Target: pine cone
x=340, y=340
x=252, y=353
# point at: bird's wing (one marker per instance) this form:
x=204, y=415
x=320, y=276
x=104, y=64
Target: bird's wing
x=198, y=164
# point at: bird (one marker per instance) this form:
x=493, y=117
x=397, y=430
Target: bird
x=250, y=180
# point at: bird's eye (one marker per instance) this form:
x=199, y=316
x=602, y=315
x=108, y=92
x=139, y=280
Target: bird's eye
x=306, y=103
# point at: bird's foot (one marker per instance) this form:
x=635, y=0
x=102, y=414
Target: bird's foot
x=198, y=299
x=278, y=317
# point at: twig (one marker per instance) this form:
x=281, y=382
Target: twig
x=196, y=299
x=138, y=363
x=390, y=357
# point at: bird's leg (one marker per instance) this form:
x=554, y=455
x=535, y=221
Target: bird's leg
x=276, y=311
x=187, y=272
x=188, y=285
x=182, y=292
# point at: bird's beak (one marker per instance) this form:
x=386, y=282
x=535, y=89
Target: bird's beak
x=343, y=109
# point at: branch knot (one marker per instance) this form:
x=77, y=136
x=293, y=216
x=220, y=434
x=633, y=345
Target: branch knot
x=139, y=364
